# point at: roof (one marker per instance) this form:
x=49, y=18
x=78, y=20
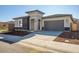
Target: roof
x=11, y=22
x=50, y=16
x=35, y=11
x=20, y=17
x=57, y=15
x=76, y=20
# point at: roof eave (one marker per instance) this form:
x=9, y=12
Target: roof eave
x=55, y=16
x=35, y=11
x=20, y=17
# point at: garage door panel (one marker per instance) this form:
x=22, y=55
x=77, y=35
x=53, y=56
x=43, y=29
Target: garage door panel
x=57, y=25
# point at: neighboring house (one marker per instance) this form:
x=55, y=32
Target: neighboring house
x=77, y=23
x=35, y=21
x=6, y=27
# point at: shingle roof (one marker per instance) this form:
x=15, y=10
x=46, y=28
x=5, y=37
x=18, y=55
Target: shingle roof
x=35, y=11
x=20, y=17
x=57, y=15
x=50, y=16
x=76, y=20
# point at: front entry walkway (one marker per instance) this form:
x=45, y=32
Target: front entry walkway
x=43, y=35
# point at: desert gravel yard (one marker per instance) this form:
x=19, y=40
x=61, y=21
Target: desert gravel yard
x=68, y=37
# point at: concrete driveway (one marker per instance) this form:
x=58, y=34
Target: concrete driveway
x=39, y=40
x=44, y=35
x=44, y=41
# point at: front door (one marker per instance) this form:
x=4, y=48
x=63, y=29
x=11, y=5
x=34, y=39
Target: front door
x=32, y=24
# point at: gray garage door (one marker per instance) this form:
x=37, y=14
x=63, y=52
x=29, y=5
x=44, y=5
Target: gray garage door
x=57, y=25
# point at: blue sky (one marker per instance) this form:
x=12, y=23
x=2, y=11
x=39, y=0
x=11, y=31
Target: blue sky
x=7, y=12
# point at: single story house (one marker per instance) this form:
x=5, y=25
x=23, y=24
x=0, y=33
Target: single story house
x=35, y=21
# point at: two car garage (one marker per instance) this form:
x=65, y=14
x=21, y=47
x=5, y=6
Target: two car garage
x=55, y=25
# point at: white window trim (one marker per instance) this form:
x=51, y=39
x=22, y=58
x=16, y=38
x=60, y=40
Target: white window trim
x=17, y=23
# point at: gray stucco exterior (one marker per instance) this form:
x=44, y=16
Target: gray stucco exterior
x=26, y=23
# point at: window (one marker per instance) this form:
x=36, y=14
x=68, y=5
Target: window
x=67, y=21
x=19, y=23
x=16, y=23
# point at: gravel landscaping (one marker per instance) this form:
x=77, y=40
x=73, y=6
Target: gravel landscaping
x=18, y=33
x=68, y=37
x=12, y=37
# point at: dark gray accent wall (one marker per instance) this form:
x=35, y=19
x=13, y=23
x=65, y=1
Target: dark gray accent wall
x=26, y=23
